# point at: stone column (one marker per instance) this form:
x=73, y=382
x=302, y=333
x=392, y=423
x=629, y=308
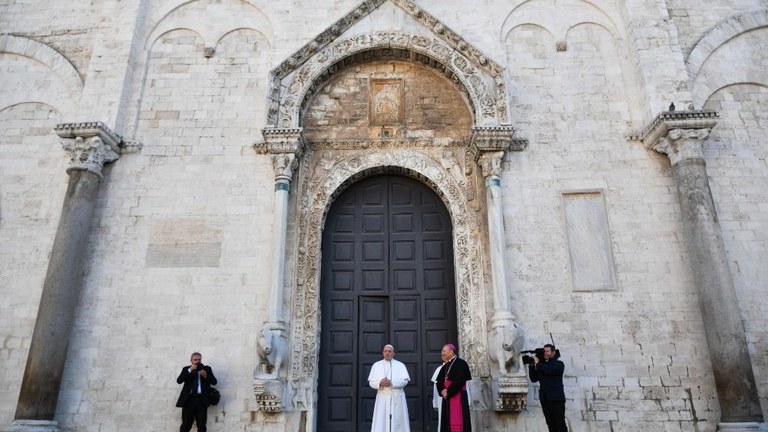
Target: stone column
x=285, y=147
x=490, y=145
x=681, y=136
x=90, y=146
x=506, y=338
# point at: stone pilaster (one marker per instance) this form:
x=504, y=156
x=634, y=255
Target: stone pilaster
x=90, y=146
x=680, y=135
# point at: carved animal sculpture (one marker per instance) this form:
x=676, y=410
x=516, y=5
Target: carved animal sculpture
x=271, y=348
x=505, y=345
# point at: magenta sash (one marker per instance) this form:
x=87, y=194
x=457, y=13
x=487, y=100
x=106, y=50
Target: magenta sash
x=455, y=410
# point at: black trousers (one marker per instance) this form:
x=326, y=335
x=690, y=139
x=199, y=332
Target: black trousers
x=554, y=413
x=194, y=411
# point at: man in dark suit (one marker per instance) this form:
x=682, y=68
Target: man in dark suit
x=549, y=374
x=193, y=399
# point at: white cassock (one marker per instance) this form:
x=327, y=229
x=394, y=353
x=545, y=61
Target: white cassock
x=437, y=401
x=389, y=399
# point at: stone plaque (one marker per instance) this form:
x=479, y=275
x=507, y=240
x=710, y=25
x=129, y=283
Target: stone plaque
x=385, y=106
x=589, y=241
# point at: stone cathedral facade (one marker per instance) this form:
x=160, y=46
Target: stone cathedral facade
x=286, y=186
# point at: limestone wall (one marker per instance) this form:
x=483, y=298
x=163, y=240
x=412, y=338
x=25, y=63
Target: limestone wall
x=181, y=244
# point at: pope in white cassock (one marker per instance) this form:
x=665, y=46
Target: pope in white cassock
x=388, y=377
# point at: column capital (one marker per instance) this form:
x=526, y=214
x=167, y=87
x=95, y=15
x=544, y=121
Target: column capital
x=285, y=146
x=489, y=144
x=495, y=138
x=490, y=164
x=282, y=140
x=90, y=145
x=679, y=135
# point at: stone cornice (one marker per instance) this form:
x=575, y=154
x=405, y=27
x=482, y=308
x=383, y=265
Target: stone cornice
x=669, y=120
x=282, y=140
x=495, y=138
x=365, y=8
x=387, y=144
x=87, y=130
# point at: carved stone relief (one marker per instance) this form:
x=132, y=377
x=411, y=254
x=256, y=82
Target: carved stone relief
x=484, y=90
x=324, y=174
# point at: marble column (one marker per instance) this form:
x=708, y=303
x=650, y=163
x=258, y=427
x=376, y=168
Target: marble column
x=489, y=146
x=681, y=137
x=90, y=146
x=285, y=146
x=490, y=164
x=506, y=338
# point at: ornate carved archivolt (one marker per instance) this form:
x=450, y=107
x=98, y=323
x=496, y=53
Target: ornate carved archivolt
x=293, y=80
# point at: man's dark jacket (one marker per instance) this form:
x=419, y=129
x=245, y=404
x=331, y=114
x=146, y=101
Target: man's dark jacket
x=549, y=374
x=190, y=384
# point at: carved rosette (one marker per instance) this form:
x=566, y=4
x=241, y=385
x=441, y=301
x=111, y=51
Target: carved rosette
x=90, y=146
x=322, y=176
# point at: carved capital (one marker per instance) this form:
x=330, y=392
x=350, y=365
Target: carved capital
x=494, y=138
x=284, y=165
x=90, y=145
x=682, y=144
x=286, y=147
x=277, y=140
x=675, y=133
x=490, y=164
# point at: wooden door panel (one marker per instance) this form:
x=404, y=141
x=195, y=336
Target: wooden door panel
x=387, y=277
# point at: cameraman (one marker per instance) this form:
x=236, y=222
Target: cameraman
x=549, y=374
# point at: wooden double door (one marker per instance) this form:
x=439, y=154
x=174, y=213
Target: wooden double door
x=387, y=278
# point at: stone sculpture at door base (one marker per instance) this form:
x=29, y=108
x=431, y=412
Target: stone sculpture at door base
x=510, y=387
x=268, y=387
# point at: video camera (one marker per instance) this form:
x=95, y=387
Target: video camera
x=539, y=353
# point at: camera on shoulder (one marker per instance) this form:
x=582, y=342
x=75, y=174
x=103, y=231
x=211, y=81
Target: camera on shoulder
x=539, y=353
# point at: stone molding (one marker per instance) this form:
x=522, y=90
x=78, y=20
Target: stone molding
x=90, y=145
x=324, y=175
